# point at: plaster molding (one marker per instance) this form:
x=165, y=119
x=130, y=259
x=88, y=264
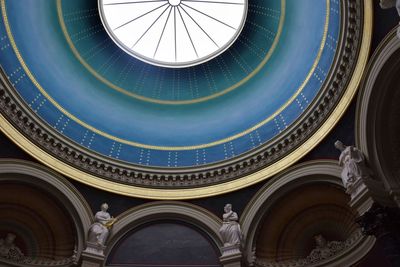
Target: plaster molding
x=116, y=176
x=35, y=175
x=311, y=172
x=367, y=114
x=166, y=210
x=291, y=178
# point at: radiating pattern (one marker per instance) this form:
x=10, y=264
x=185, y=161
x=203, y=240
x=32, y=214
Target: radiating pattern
x=137, y=79
x=174, y=33
x=86, y=109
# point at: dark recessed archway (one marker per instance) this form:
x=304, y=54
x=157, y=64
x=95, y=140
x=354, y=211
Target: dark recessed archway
x=42, y=226
x=164, y=243
x=378, y=113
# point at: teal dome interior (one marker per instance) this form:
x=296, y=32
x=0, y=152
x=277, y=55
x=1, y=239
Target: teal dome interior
x=115, y=105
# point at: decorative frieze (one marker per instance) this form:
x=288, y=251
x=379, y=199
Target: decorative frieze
x=324, y=251
x=11, y=253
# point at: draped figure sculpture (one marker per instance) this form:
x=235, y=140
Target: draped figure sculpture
x=100, y=229
x=230, y=230
x=353, y=163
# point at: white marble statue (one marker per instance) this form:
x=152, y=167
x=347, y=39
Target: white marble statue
x=99, y=230
x=353, y=163
x=385, y=4
x=230, y=230
x=8, y=250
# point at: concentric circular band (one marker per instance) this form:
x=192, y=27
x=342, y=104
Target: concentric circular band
x=52, y=147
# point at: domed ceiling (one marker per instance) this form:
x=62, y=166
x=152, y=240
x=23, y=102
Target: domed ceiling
x=80, y=103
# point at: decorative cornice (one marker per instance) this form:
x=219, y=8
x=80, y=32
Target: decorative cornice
x=305, y=129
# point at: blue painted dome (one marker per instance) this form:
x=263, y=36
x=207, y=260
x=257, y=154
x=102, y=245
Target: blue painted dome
x=114, y=116
x=82, y=84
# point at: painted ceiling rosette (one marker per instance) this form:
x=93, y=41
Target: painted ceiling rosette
x=78, y=102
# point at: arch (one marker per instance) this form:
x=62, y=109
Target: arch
x=161, y=211
x=374, y=108
x=37, y=176
x=313, y=172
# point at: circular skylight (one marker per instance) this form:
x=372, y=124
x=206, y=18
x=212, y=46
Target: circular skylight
x=173, y=33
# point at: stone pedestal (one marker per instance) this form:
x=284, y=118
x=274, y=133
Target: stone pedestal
x=93, y=255
x=365, y=192
x=231, y=256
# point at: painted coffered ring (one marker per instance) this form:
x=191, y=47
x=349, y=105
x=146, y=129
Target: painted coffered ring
x=219, y=178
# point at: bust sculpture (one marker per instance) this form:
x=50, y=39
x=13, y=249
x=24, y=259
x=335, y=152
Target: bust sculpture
x=8, y=250
x=100, y=229
x=385, y=4
x=324, y=249
x=230, y=230
x=353, y=163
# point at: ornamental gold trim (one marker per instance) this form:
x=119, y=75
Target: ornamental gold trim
x=189, y=193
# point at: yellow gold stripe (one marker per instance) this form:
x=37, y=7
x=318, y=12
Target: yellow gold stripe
x=171, y=194
x=171, y=102
x=168, y=148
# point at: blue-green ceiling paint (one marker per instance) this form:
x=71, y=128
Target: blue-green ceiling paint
x=38, y=36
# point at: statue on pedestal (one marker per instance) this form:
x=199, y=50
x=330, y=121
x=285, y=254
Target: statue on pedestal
x=100, y=230
x=230, y=230
x=353, y=163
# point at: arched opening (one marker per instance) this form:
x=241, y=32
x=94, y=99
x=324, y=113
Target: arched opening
x=378, y=114
x=290, y=227
x=164, y=243
x=43, y=218
x=302, y=218
x=43, y=230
